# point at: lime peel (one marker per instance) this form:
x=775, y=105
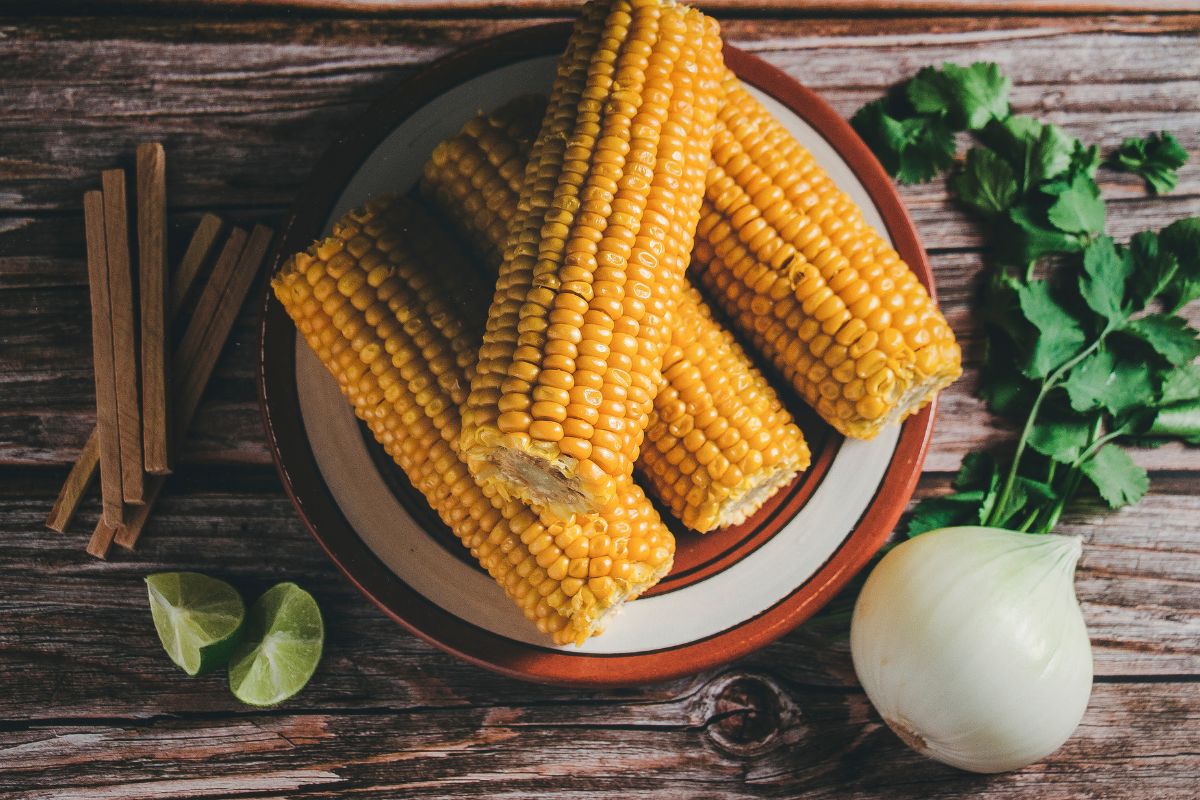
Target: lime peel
x=281, y=647
x=198, y=618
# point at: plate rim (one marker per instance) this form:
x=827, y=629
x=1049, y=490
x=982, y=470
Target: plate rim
x=321, y=515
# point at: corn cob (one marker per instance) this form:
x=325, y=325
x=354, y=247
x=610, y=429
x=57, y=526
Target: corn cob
x=369, y=301
x=719, y=442
x=814, y=288
x=577, y=329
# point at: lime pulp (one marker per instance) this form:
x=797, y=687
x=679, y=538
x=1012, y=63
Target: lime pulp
x=198, y=618
x=280, y=647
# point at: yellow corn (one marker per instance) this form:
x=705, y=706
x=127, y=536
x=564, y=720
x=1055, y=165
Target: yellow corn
x=719, y=442
x=814, y=288
x=578, y=326
x=381, y=302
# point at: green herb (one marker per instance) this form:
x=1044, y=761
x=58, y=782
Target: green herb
x=912, y=132
x=1155, y=158
x=1085, y=349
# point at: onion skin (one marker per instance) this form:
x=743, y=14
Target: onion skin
x=970, y=644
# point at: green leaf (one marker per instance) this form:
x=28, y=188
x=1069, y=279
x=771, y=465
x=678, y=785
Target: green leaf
x=980, y=94
x=1025, y=238
x=1079, y=209
x=1060, y=335
x=985, y=182
x=969, y=97
x=1153, y=269
x=1085, y=160
x=1062, y=440
x=1169, y=335
x=1181, y=384
x=977, y=471
x=1119, y=481
x=930, y=93
x=912, y=150
x=1155, y=158
x=1103, y=380
x=1180, y=421
x=942, y=512
x=1182, y=240
x=1105, y=273
x=1035, y=151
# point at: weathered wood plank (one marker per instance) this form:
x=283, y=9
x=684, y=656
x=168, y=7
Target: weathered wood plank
x=740, y=7
x=245, y=107
x=746, y=733
x=85, y=624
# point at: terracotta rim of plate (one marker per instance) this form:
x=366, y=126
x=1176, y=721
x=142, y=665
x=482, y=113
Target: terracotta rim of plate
x=302, y=479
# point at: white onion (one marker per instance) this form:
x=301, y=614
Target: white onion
x=970, y=644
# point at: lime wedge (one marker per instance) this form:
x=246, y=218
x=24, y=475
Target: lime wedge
x=197, y=618
x=280, y=649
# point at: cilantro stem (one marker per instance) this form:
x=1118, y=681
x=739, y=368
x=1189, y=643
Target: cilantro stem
x=1096, y=441
x=1048, y=385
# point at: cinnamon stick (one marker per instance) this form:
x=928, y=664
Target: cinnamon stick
x=197, y=253
x=192, y=376
x=109, y=439
x=120, y=288
x=85, y=466
x=152, y=294
x=77, y=482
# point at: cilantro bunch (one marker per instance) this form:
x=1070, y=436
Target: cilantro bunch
x=1085, y=348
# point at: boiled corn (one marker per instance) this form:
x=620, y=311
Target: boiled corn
x=373, y=301
x=812, y=286
x=719, y=442
x=578, y=326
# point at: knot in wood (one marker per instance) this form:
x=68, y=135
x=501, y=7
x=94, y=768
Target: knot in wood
x=745, y=714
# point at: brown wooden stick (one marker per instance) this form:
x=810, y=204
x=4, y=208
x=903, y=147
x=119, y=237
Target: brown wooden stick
x=207, y=306
x=186, y=359
x=197, y=253
x=196, y=373
x=77, y=482
x=120, y=296
x=109, y=444
x=85, y=466
x=152, y=294
x=103, y=534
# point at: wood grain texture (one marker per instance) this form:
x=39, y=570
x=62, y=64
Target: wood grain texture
x=123, y=313
x=152, y=297
x=244, y=103
x=103, y=370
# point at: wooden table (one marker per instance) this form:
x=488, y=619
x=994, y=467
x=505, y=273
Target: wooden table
x=245, y=100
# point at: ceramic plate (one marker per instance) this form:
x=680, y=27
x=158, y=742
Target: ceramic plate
x=731, y=591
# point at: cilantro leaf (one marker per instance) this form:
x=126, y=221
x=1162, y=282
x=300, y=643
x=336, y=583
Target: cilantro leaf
x=1153, y=269
x=1169, y=335
x=1078, y=209
x=1105, y=380
x=1182, y=240
x=1060, y=334
x=1024, y=238
x=1155, y=158
x=1036, y=152
x=912, y=150
x=985, y=182
x=1002, y=384
x=981, y=92
x=1085, y=160
x=1063, y=440
x=1119, y=481
x=1181, y=384
x=970, y=97
x=977, y=471
x=960, y=508
x=1105, y=273
x=1181, y=420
